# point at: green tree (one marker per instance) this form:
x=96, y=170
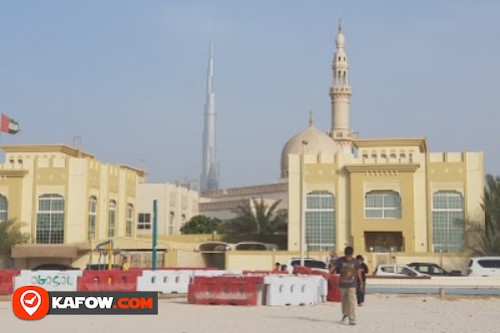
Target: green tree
x=200, y=224
x=10, y=235
x=485, y=240
x=257, y=221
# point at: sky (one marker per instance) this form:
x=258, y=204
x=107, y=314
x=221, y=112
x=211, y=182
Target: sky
x=129, y=77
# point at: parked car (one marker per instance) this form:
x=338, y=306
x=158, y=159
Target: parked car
x=484, y=266
x=397, y=270
x=432, y=269
x=308, y=262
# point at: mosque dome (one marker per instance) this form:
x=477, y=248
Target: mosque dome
x=317, y=142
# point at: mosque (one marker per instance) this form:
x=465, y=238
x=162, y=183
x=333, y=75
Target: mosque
x=381, y=195
x=377, y=194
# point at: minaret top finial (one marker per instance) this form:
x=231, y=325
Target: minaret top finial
x=311, y=121
x=340, y=39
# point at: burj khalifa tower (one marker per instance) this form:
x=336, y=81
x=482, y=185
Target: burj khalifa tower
x=210, y=168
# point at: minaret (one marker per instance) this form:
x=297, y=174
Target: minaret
x=340, y=94
x=210, y=171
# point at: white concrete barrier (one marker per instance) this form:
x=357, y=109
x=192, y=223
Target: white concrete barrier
x=174, y=281
x=295, y=290
x=167, y=282
x=49, y=280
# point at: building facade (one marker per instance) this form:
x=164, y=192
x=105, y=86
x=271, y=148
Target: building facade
x=395, y=196
x=222, y=203
x=176, y=206
x=379, y=195
x=65, y=199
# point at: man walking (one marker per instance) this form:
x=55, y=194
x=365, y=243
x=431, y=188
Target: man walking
x=350, y=275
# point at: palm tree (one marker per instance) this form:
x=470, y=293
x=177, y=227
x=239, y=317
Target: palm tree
x=10, y=235
x=485, y=240
x=257, y=221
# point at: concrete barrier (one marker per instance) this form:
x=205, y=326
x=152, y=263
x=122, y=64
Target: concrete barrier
x=49, y=280
x=295, y=290
x=174, y=281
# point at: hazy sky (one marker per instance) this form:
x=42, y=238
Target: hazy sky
x=129, y=77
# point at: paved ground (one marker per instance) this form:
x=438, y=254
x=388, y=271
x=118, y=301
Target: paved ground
x=382, y=313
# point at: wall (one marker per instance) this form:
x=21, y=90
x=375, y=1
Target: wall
x=171, y=198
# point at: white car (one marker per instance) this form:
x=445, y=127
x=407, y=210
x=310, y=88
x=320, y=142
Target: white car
x=484, y=266
x=397, y=270
x=308, y=262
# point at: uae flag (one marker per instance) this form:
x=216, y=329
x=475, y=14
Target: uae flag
x=9, y=125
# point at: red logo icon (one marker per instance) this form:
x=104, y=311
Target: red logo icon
x=30, y=302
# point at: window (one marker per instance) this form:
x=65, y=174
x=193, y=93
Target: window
x=382, y=205
x=171, y=223
x=388, y=269
x=92, y=217
x=50, y=219
x=489, y=263
x=320, y=221
x=448, y=221
x=144, y=221
x=4, y=208
x=128, y=225
x=111, y=219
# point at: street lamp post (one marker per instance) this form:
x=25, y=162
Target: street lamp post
x=302, y=208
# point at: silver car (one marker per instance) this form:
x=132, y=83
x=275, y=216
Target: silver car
x=397, y=270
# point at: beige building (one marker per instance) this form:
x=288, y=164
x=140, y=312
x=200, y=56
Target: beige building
x=65, y=198
x=221, y=203
x=379, y=195
x=176, y=205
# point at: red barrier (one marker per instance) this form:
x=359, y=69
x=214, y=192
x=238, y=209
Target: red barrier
x=302, y=270
x=188, y=269
x=257, y=272
x=225, y=290
x=262, y=272
x=323, y=274
x=7, y=281
x=333, y=288
x=114, y=280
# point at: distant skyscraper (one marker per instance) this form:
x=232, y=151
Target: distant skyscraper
x=210, y=169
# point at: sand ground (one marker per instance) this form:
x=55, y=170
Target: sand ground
x=382, y=313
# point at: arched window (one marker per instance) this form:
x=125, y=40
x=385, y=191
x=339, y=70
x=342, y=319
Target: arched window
x=111, y=219
x=4, y=208
x=382, y=205
x=50, y=219
x=92, y=217
x=448, y=221
x=320, y=221
x=128, y=225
